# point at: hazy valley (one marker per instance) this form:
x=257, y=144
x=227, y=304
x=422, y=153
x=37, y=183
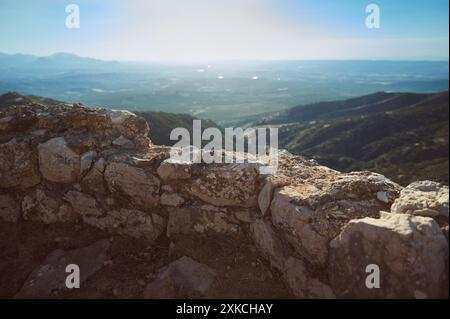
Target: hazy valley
x=230, y=93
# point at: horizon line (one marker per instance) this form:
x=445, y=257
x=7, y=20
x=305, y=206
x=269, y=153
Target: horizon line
x=178, y=61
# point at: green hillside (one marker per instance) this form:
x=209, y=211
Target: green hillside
x=401, y=135
x=161, y=124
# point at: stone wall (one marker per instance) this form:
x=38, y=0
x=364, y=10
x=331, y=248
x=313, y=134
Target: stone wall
x=318, y=227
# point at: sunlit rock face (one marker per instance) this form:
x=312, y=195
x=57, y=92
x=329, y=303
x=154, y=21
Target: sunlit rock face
x=411, y=252
x=317, y=227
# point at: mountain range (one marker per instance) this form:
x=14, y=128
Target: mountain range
x=61, y=61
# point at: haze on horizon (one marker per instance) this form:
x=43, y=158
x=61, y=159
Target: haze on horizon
x=207, y=30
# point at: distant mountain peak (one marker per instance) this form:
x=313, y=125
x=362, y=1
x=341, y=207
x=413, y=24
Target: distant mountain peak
x=64, y=55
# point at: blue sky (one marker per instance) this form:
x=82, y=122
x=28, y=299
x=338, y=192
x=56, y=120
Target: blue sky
x=227, y=29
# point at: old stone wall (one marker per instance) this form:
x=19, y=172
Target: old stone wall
x=318, y=227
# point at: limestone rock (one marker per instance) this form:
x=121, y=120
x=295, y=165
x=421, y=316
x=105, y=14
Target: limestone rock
x=410, y=251
x=86, y=161
x=302, y=283
x=245, y=215
x=366, y=185
x=312, y=213
x=94, y=181
x=9, y=209
x=266, y=194
x=83, y=204
x=383, y=197
x=170, y=170
x=18, y=166
x=133, y=129
x=265, y=197
x=57, y=162
x=51, y=275
x=183, y=278
x=42, y=206
x=119, y=116
x=123, y=142
x=199, y=220
x=133, y=181
x=226, y=185
x=424, y=198
x=129, y=222
x=295, y=221
x=83, y=128
x=174, y=200
x=269, y=243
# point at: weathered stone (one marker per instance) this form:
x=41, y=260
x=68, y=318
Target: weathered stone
x=119, y=117
x=423, y=198
x=245, y=216
x=265, y=197
x=129, y=222
x=383, y=197
x=41, y=206
x=9, y=209
x=269, y=243
x=214, y=186
x=183, y=278
x=123, y=142
x=57, y=162
x=304, y=206
x=410, y=251
x=86, y=161
x=83, y=204
x=302, y=283
x=362, y=185
x=199, y=220
x=51, y=275
x=174, y=200
x=81, y=141
x=295, y=221
x=66, y=213
x=170, y=170
x=131, y=127
x=94, y=181
x=18, y=167
x=312, y=213
x=135, y=182
x=266, y=194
